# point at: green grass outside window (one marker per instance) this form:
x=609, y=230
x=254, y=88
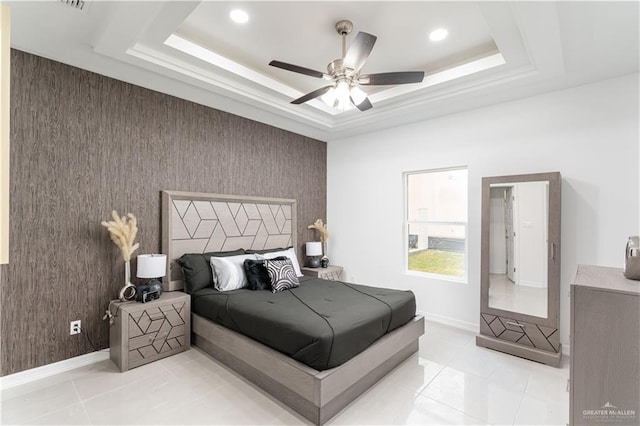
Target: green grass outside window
x=437, y=262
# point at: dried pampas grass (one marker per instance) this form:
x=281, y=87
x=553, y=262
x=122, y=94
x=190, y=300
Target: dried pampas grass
x=123, y=231
x=321, y=228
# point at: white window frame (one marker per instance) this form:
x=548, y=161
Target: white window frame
x=442, y=277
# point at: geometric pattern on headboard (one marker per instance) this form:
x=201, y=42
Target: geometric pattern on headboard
x=200, y=223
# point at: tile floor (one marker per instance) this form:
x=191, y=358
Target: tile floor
x=505, y=295
x=450, y=381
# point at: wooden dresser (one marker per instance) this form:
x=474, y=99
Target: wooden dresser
x=605, y=354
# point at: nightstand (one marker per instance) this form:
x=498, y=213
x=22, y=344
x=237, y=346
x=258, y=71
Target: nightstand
x=331, y=272
x=146, y=332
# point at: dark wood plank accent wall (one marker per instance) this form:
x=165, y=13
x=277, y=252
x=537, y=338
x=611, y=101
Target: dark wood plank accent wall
x=83, y=145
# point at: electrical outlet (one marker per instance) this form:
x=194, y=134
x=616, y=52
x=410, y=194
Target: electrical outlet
x=74, y=328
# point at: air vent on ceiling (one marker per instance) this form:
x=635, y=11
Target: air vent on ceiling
x=77, y=4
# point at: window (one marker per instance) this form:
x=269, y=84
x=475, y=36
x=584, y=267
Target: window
x=436, y=222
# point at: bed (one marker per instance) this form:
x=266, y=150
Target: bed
x=304, y=372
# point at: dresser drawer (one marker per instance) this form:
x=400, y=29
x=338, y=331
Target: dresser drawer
x=520, y=332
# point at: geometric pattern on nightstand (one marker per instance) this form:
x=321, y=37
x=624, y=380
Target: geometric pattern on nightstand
x=156, y=330
x=531, y=335
x=331, y=275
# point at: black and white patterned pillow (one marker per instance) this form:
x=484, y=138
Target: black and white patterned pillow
x=282, y=275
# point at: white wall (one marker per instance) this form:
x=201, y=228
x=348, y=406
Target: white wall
x=589, y=133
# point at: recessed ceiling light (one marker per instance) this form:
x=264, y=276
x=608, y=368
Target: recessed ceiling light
x=239, y=16
x=438, y=35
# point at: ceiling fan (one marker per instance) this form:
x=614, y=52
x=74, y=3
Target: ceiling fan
x=345, y=73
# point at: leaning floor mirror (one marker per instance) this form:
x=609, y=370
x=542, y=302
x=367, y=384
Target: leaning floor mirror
x=520, y=266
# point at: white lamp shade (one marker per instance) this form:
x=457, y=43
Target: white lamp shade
x=314, y=248
x=342, y=91
x=152, y=265
x=329, y=98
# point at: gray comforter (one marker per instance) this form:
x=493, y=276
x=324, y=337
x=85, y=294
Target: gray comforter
x=321, y=323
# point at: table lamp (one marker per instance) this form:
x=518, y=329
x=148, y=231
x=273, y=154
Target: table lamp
x=314, y=251
x=151, y=266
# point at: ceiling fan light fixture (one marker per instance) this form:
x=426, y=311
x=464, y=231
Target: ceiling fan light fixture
x=358, y=95
x=344, y=73
x=342, y=91
x=343, y=104
x=329, y=98
x=239, y=16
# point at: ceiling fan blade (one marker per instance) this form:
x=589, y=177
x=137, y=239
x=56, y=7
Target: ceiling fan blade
x=298, y=69
x=311, y=95
x=388, y=78
x=364, y=105
x=359, y=51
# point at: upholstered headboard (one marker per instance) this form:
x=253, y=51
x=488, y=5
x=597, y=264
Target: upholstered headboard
x=195, y=222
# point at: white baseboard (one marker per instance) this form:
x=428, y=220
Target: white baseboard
x=452, y=322
x=48, y=370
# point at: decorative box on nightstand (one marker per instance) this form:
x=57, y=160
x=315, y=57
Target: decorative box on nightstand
x=331, y=272
x=146, y=332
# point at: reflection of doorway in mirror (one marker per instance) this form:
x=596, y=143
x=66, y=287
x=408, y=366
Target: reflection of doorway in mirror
x=518, y=244
x=509, y=234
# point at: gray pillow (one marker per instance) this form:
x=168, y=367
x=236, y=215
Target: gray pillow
x=196, y=268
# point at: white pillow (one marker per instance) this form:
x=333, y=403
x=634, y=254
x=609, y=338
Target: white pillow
x=290, y=253
x=228, y=272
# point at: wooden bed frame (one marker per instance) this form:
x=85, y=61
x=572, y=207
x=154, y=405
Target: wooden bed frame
x=198, y=223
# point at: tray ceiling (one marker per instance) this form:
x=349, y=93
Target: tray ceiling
x=495, y=51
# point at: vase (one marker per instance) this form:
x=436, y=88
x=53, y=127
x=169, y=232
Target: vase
x=632, y=258
x=127, y=273
x=324, y=261
x=127, y=292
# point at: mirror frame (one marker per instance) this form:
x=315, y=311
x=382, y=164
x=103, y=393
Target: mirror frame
x=553, y=248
